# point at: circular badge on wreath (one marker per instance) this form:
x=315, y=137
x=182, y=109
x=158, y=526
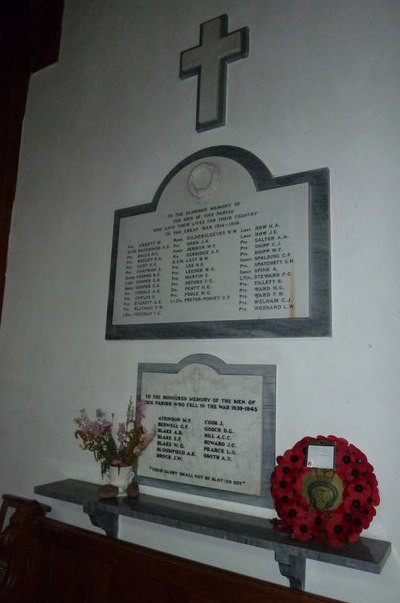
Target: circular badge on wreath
x=324, y=490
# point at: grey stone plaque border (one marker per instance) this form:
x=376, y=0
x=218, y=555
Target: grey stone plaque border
x=317, y=324
x=268, y=374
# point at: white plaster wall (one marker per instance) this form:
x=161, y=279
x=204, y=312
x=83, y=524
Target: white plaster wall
x=103, y=127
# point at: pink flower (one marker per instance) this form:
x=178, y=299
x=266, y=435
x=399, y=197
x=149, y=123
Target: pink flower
x=139, y=412
x=104, y=426
x=121, y=433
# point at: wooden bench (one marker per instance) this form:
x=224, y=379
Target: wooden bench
x=48, y=561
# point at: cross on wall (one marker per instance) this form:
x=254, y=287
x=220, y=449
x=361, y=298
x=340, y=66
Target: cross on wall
x=209, y=61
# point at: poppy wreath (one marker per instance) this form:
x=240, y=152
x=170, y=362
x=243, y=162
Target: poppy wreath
x=324, y=505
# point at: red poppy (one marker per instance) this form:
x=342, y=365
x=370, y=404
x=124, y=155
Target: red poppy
x=357, y=454
x=353, y=535
x=302, y=529
x=281, y=484
x=337, y=530
x=359, y=488
x=297, y=485
x=316, y=521
x=356, y=471
x=282, y=501
x=374, y=499
x=281, y=525
x=366, y=516
x=344, y=457
x=284, y=473
x=294, y=458
x=293, y=510
x=332, y=438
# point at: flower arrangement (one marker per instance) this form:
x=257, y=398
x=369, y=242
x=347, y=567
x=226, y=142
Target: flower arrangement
x=327, y=505
x=120, y=450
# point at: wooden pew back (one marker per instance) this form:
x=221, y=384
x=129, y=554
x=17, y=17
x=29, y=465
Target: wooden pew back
x=58, y=563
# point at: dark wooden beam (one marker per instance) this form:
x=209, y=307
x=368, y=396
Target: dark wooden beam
x=30, y=33
x=45, y=32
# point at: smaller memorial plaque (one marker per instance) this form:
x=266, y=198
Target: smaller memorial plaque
x=215, y=428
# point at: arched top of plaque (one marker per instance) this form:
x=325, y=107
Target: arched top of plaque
x=210, y=177
x=204, y=165
x=224, y=249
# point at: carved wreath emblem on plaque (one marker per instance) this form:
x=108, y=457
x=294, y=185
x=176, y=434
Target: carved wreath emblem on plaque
x=203, y=180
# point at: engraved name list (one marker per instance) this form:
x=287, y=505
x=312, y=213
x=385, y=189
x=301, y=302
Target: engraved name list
x=223, y=260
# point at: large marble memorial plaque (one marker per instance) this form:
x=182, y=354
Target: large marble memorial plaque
x=224, y=250
x=215, y=428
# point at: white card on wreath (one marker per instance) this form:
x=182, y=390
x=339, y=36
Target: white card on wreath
x=321, y=457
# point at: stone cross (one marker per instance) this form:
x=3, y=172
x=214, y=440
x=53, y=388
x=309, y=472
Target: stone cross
x=208, y=61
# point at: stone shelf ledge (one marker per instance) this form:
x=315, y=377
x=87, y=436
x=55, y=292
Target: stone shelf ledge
x=367, y=554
